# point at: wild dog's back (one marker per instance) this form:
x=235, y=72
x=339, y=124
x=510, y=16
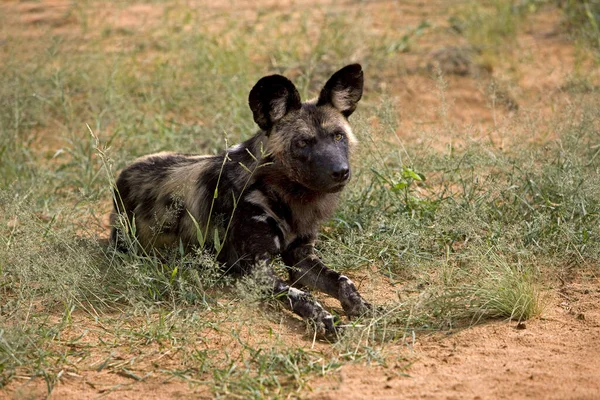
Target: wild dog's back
x=158, y=189
x=156, y=193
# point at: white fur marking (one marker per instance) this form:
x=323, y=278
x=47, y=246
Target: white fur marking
x=235, y=149
x=260, y=218
x=295, y=293
x=277, y=243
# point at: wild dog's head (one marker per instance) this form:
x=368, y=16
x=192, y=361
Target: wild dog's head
x=311, y=140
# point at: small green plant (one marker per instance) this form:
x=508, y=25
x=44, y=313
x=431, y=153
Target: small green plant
x=508, y=292
x=405, y=43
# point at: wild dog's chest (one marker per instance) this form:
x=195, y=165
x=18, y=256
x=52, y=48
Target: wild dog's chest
x=304, y=219
x=307, y=217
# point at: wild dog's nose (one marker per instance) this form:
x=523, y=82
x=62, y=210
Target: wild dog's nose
x=341, y=173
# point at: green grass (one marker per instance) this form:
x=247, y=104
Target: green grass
x=457, y=236
x=582, y=20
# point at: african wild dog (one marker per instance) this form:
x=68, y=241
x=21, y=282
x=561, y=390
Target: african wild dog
x=273, y=191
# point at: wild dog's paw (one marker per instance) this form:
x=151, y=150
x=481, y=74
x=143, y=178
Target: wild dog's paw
x=307, y=307
x=327, y=324
x=352, y=302
x=358, y=307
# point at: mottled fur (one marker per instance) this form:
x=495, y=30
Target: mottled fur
x=285, y=181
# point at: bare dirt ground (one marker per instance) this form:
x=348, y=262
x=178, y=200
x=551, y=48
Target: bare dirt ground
x=553, y=357
x=556, y=356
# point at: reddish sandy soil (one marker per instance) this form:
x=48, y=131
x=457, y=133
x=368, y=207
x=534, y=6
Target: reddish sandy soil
x=556, y=356
x=553, y=357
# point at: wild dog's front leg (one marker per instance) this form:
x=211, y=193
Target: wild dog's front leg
x=254, y=247
x=296, y=300
x=307, y=269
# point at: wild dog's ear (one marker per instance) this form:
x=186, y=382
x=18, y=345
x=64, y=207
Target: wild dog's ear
x=343, y=90
x=271, y=99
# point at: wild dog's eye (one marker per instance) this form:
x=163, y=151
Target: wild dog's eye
x=301, y=143
x=338, y=137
